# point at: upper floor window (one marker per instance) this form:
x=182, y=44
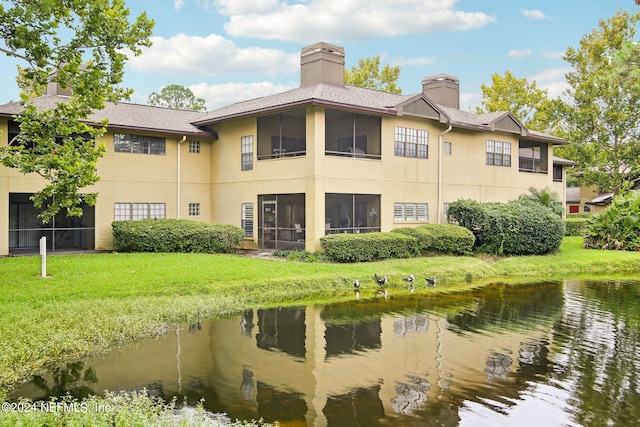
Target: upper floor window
x=533, y=157
x=246, y=149
x=351, y=135
x=128, y=143
x=282, y=135
x=411, y=142
x=498, y=153
x=194, y=147
x=557, y=173
x=447, y=148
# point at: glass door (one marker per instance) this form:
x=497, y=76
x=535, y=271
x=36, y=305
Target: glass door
x=269, y=225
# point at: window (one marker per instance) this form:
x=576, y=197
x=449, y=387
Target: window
x=282, y=135
x=411, y=142
x=247, y=219
x=140, y=144
x=130, y=211
x=557, y=173
x=246, y=144
x=194, y=209
x=498, y=153
x=533, y=157
x=447, y=148
x=574, y=209
x=352, y=135
x=410, y=212
x=194, y=147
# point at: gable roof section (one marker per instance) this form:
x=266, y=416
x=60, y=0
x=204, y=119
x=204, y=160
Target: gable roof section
x=126, y=116
x=351, y=97
x=422, y=106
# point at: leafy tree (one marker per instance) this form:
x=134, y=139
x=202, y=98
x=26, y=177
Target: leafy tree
x=368, y=75
x=79, y=45
x=603, y=117
x=177, y=96
x=530, y=104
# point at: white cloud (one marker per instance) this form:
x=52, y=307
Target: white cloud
x=229, y=93
x=339, y=20
x=553, y=55
x=243, y=7
x=553, y=80
x=520, y=53
x=178, y=4
x=421, y=60
x=533, y=14
x=210, y=56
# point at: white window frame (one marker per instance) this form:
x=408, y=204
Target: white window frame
x=410, y=212
x=194, y=209
x=127, y=211
x=246, y=218
x=194, y=147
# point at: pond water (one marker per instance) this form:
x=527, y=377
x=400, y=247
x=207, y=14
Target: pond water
x=547, y=354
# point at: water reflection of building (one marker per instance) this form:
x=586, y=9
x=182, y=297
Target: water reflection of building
x=309, y=366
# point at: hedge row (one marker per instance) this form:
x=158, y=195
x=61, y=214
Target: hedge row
x=175, y=235
x=441, y=238
x=575, y=226
x=520, y=227
x=368, y=246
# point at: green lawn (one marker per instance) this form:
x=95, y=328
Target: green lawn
x=94, y=302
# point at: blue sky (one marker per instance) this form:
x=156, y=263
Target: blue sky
x=233, y=50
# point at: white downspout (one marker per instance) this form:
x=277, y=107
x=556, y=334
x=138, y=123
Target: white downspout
x=440, y=172
x=184, y=138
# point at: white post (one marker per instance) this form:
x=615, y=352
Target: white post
x=43, y=253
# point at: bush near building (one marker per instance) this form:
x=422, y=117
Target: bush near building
x=441, y=238
x=576, y=226
x=618, y=227
x=175, y=235
x=520, y=227
x=369, y=246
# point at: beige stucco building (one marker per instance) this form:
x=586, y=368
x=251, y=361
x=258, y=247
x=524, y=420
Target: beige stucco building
x=289, y=168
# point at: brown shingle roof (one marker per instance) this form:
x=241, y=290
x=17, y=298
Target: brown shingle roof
x=126, y=116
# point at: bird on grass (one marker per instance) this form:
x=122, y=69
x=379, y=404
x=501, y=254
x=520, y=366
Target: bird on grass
x=381, y=280
x=356, y=284
x=412, y=288
x=431, y=281
x=409, y=279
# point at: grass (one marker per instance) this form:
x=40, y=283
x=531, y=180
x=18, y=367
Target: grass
x=91, y=303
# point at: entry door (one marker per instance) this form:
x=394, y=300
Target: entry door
x=269, y=224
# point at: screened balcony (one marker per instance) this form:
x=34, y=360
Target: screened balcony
x=352, y=135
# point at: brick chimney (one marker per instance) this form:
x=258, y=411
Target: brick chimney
x=443, y=89
x=322, y=63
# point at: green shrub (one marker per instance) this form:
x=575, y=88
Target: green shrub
x=369, y=246
x=618, y=227
x=521, y=227
x=441, y=238
x=575, y=226
x=175, y=235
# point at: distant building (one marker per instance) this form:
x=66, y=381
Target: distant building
x=292, y=167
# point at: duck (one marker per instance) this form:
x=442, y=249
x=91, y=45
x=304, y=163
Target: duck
x=409, y=279
x=431, y=281
x=381, y=280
